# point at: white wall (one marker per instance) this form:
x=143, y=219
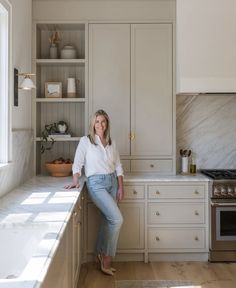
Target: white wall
x=21, y=53
x=22, y=142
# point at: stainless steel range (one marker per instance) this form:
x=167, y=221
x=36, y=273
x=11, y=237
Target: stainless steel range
x=223, y=215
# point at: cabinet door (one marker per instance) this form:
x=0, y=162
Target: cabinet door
x=132, y=230
x=109, y=78
x=151, y=89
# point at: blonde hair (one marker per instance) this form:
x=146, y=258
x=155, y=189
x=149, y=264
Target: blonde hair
x=92, y=133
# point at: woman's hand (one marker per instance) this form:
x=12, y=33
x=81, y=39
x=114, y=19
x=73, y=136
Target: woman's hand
x=75, y=183
x=70, y=186
x=120, y=194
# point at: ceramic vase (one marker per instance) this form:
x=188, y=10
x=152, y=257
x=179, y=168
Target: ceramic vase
x=53, y=52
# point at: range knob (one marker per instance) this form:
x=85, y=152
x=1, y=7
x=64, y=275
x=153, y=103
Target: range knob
x=230, y=191
x=223, y=191
x=216, y=191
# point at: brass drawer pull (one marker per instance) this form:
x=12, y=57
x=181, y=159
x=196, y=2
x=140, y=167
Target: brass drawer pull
x=196, y=192
x=196, y=213
x=158, y=192
x=196, y=238
x=135, y=192
x=157, y=238
x=151, y=165
x=157, y=213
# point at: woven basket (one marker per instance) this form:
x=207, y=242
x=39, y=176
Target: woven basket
x=59, y=170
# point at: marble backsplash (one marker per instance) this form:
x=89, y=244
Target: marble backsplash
x=21, y=168
x=206, y=124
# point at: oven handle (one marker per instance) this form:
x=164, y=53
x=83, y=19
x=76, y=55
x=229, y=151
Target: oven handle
x=223, y=204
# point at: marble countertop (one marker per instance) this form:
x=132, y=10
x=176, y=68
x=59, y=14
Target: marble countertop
x=40, y=206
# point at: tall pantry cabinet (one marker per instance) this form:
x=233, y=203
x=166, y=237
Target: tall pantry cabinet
x=131, y=77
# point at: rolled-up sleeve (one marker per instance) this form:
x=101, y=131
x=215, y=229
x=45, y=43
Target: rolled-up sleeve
x=118, y=165
x=80, y=156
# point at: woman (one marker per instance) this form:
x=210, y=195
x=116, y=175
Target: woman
x=100, y=158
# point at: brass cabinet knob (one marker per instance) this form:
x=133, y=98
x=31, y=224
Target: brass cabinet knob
x=134, y=192
x=196, y=213
x=196, y=192
x=158, y=192
x=196, y=238
x=157, y=238
x=157, y=213
x=131, y=136
x=152, y=165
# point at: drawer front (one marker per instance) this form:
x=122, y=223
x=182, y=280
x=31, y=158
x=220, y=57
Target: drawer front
x=125, y=164
x=176, y=238
x=176, y=213
x=160, y=166
x=176, y=191
x=134, y=192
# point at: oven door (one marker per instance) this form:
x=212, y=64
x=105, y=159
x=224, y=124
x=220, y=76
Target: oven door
x=223, y=225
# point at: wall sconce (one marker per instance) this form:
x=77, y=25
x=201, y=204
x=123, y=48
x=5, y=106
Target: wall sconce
x=26, y=84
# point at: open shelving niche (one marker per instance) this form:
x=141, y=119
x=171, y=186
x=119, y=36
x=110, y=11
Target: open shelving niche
x=73, y=111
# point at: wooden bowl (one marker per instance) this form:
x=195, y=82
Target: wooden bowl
x=59, y=170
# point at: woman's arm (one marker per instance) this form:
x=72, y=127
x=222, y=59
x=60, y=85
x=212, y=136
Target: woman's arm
x=120, y=191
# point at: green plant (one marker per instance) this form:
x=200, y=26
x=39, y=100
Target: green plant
x=47, y=142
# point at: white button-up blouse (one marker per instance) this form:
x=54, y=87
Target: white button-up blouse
x=96, y=159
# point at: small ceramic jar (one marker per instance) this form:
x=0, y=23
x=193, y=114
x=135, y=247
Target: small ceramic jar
x=68, y=52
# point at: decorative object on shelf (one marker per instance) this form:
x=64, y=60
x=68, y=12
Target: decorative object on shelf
x=47, y=141
x=193, y=167
x=52, y=132
x=60, y=167
x=53, y=51
x=71, y=87
x=26, y=84
x=62, y=127
x=53, y=90
x=185, y=154
x=68, y=52
x=54, y=39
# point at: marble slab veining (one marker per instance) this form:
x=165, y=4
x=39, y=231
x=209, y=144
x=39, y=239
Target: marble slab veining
x=206, y=124
x=21, y=168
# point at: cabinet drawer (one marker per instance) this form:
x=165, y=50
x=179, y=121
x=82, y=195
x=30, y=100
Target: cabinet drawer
x=125, y=164
x=176, y=191
x=176, y=213
x=134, y=192
x=144, y=165
x=176, y=238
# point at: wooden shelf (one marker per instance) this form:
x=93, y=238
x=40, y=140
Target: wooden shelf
x=59, y=61
x=64, y=100
x=72, y=139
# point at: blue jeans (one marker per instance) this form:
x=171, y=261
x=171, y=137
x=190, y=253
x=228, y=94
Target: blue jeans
x=102, y=190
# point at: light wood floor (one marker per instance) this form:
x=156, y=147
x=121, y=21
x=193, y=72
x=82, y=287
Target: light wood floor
x=202, y=274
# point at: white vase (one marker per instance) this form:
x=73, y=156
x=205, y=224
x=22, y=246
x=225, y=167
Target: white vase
x=71, y=88
x=53, y=52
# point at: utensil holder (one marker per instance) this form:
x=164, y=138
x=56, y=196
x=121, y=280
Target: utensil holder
x=184, y=165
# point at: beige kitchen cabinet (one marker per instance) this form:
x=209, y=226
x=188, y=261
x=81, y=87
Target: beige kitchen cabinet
x=65, y=267
x=133, y=229
x=77, y=240
x=131, y=77
x=59, y=273
x=177, y=218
